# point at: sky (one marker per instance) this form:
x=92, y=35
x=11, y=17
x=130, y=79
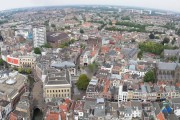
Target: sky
x=173, y=5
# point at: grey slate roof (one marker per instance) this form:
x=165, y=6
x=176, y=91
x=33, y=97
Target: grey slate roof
x=166, y=66
x=63, y=64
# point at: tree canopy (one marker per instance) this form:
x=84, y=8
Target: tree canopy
x=150, y=76
x=82, y=82
x=37, y=50
x=81, y=31
x=1, y=61
x=47, y=45
x=165, y=41
x=153, y=47
x=151, y=36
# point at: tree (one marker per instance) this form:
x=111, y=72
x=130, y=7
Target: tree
x=82, y=82
x=1, y=62
x=53, y=25
x=151, y=36
x=173, y=41
x=178, y=31
x=20, y=70
x=37, y=50
x=28, y=71
x=165, y=40
x=81, y=31
x=93, y=67
x=47, y=45
x=149, y=76
x=140, y=55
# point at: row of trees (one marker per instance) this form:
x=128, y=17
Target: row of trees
x=129, y=30
x=23, y=70
x=66, y=44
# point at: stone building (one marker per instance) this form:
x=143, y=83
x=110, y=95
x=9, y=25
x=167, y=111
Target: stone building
x=168, y=72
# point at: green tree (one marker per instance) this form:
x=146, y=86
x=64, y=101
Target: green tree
x=151, y=36
x=173, y=41
x=178, y=31
x=53, y=25
x=165, y=41
x=47, y=45
x=1, y=62
x=20, y=70
x=140, y=55
x=81, y=31
x=150, y=76
x=28, y=71
x=82, y=82
x=37, y=50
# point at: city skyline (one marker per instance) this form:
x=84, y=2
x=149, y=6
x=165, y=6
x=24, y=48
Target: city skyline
x=172, y=5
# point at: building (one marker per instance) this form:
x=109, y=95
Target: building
x=27, y=61
x=168, y=72
x=39, y=36
x=5, y=109
x=57, y=85
x=66, y=64
x=123, y=93
x=55, y=39
x=12, y=86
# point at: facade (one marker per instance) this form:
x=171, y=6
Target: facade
x=5, y=109
x=168, y=72
x=39, y=36
x=123, y=93
x=57, y=85
x=27, y=61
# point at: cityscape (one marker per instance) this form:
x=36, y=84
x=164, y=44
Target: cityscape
x=89, y=62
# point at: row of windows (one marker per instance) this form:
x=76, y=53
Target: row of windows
x=52, y=91
x=27, y=59
x=57, y=95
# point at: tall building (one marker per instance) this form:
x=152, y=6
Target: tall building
x=39, y=36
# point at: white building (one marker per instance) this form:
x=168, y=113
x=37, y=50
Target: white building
x=123, y=94
x=24, y=33
x=5, y=109
x=39, y=36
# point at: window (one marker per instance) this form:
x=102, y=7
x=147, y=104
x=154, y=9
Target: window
x=67, y=90
x=62, y=95
x=62, y=90
x=56, y=90
x=47, y=91
x=53, y=91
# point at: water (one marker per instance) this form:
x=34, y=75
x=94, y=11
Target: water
x=38, y=115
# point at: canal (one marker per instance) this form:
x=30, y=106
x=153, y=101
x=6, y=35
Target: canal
x=37, y=115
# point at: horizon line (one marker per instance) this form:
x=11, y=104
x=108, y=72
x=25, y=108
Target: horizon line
x=28, y=7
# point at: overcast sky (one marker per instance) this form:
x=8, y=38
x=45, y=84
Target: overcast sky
x=173, y=5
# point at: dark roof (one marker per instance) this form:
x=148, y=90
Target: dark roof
x=60, y=77
x=125, y=88
x=55, y=36
x=1, y=38
x=4, y=103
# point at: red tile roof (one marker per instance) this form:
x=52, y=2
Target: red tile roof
x=13, y=116
x=53, y=116
x=63, y=107
x=160, y=116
